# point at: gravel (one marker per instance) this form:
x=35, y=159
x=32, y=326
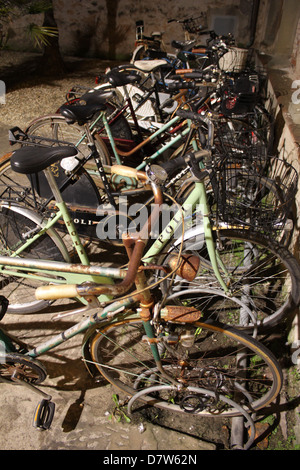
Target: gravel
x=32, y=96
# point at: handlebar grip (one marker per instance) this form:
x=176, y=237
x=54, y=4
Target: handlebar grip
x=127, y=171
x=200, y=50
x=188, y=114
x=183, y=71
x=173, y=165
x=194, y=75
x=176, y=86
x=180, y=162
x=56, y=292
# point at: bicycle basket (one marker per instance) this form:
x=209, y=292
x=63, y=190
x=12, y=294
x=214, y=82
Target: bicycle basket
x=233, y=60
x=238, y=140
x=261, y=200
x=241, y=95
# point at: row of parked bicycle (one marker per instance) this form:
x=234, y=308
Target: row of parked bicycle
x=173, y=164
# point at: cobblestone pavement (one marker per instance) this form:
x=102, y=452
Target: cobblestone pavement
x=85, y=414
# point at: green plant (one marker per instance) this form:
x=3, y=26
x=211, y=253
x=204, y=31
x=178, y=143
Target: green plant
x=118, y=412
x=13, y=9
x=40, y=34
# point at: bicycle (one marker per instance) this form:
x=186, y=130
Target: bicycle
x=166, y=346
x=110, y=148
x=226, y=260
x=143, y=43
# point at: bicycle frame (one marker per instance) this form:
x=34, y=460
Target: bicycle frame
x=79, y=273
x=112, y=309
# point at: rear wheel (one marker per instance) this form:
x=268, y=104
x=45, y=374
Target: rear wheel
x=203, y=355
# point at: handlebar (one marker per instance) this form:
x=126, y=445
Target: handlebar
x=134, y=244
x=195, y=78
x=127, y=171
x=191, y=160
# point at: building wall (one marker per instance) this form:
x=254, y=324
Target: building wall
x=106, y=28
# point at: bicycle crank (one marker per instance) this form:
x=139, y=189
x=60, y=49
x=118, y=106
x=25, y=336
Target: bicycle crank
x=26, y=371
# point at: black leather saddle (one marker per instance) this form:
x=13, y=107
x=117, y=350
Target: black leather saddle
x=29, y=160
x=86, y=107
x=122, y=77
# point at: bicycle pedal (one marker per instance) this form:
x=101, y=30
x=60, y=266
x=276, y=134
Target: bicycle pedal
x=43, y=415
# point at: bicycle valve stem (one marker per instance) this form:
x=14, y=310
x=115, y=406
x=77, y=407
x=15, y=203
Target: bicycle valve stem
x=188, y=266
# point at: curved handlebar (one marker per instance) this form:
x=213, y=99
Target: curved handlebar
x=56, y=292
x=134, y=244
x=127, y=171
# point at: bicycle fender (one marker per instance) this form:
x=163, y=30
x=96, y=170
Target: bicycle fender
x=194, y=237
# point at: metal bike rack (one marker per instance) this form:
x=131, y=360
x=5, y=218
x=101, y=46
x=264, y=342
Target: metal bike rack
x=247, y=419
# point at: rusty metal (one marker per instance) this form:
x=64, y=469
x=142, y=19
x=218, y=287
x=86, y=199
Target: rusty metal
x=115, y=273
x=180, y=314
x=188, y=266
x=145, y=314
x=134, y=245
x=125, y=285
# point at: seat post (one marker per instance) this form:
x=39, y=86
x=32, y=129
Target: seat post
x=66, y=217
x=53, y=185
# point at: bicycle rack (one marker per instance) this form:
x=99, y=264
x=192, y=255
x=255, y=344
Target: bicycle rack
x=237, y=441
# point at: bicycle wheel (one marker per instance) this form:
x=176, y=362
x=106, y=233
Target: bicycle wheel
x=55, y=127
x=199, y=354
x=15, y=228
x=262, y=276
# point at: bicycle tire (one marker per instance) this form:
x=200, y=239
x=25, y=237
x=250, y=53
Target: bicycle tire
x=14, y=225
x=262, y=272
x=56, y=127
x=125, y=360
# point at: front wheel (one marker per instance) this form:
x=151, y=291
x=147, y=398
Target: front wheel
x=16, y=226
x=202, y=355
x=262, y=277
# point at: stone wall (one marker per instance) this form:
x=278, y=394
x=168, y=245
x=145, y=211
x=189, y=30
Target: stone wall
x=106, y=28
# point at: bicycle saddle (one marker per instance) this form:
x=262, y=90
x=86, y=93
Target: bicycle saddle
x=84, y=110
x=29, y=160
x=122, y=77
x=182, y=44
x=149, y=65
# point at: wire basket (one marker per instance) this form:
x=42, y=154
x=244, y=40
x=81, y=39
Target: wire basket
x=243, y=141
x=258, y=199
x=234, y=60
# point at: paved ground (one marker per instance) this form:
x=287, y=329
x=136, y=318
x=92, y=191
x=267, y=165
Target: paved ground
x=86, y=416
